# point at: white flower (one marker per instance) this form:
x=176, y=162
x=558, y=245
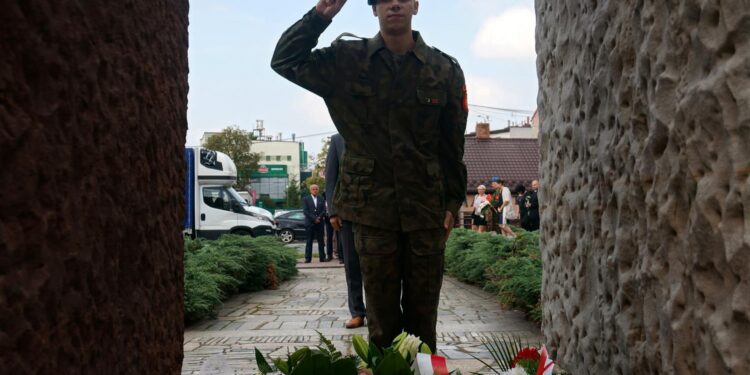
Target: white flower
x=481, y=207
x=409, y=345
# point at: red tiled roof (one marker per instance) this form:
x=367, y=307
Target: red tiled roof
x=513, y=160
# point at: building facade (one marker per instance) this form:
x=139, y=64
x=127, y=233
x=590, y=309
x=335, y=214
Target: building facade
x=514, y=160
x=280, y=162
x=290, y=154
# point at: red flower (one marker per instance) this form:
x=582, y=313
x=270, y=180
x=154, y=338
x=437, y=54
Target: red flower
x=526, y=354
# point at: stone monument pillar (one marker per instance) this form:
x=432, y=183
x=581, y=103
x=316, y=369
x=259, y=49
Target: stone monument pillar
x=93, y=100
x=645, y=165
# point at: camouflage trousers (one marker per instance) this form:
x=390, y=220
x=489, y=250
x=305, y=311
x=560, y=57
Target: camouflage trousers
x=402, y=274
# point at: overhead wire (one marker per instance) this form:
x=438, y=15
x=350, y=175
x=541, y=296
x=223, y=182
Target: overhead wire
x=481, y=109
x=511, y=110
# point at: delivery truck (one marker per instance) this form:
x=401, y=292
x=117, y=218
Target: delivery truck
x=213, y=207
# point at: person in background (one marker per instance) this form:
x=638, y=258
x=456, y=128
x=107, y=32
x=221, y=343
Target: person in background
x=532, y=206
x=339, y=245
x=314, y=208
x=503, y=196
x=345, y=237
x=520, y=191
x=479, y=222
x=329, y=230
x=512, y=216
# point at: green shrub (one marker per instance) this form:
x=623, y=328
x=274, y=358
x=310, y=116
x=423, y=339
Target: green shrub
x=508, y=267
x=470, y=254
x=518, y=281
x=214, y=270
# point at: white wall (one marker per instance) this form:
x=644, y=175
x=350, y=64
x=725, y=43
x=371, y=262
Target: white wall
x=279, y=148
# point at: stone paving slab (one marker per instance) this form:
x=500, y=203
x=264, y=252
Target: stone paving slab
x=275, y=321
x=315, y=263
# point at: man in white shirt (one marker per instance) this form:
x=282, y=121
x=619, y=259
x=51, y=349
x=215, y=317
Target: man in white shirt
x=503, y=207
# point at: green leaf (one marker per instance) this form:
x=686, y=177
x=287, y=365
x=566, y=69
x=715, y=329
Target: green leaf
x=344, y=366
x=328, y=349
x=327, y=342
x=263, y=366
x=281, y=365
x=316, y=364
x=398, y=338
x=424, y=348
x=296, y=357
x=374, y=355
x=393, y=364
x=360, y=347
x=489, y=366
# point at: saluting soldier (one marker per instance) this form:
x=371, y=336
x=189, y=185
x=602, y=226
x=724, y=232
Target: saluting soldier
x=401, y=106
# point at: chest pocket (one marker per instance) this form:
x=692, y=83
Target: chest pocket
x=360, y=101
x=430, y=104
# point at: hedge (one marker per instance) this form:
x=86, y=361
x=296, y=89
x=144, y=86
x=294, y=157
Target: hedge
x=509, y=267
x=214, y=270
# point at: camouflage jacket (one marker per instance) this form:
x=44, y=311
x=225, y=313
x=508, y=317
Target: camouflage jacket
x=404, y=126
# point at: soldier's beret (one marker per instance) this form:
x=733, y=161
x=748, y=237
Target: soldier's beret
x=371, y=2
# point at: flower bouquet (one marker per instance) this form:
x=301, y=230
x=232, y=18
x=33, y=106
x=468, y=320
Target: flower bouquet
x=407, y=355
x=514, y=358
x=486, y=206
x=323, y=359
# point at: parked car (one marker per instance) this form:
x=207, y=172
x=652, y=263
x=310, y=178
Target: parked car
x=279, y=212
x=291, y=226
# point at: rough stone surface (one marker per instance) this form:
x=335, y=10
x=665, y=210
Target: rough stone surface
x=645, y=142
x=93, y=100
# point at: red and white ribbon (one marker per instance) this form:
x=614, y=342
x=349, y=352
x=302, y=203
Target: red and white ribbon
x=545, y=363
x=427, y=364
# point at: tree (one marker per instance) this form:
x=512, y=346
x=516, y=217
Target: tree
x=236, y=142
x=317, y=180
x=293, y=194
x=266, y=202
x=320, y=162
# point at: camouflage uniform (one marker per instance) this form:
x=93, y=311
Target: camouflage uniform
x=403, y=119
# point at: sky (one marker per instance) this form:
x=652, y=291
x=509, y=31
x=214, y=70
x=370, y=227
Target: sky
x=232, y=41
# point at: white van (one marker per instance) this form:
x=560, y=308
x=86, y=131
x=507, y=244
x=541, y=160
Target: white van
x=213, y=207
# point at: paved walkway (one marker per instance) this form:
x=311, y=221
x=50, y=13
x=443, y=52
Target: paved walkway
x=275, y=321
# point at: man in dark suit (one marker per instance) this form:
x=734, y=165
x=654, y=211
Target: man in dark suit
x=314, y=208
x=346, y=236
x=532, y=205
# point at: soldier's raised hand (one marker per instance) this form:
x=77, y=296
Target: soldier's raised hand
x=329, y=8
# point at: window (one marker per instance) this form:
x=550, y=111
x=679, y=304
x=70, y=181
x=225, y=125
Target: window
x=278, y=158
x=274, y=187
x=297, y=216
x=268, y=157
x=289, y=158
x=217, y=198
